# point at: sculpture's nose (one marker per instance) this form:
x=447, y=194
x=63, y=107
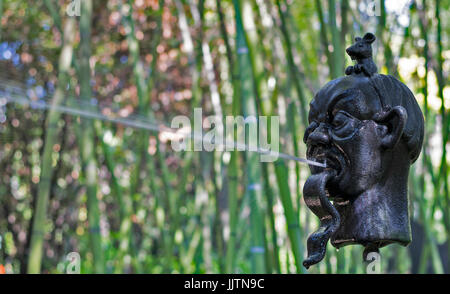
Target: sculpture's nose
x=319, y=136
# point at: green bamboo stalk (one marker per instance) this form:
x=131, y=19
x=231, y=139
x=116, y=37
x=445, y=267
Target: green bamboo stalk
x=292, y=124
x=445, y=124
x=263, y=34
x=424, y=89
x=423, y=24
x=224, y=35
x=323, y=36
x=171, y=210
x=384, y=37
x=430, y=248
x=265, y=108
x=107, y=151
x=88, y=155
x=143, y=94
x=204, y=209
x=188, y=46
x=275, y=252
x=337, y=54
x=215, y=97
x=253, y=174
x=256, y=53
x=160, y=220
x=194, y=53
x=423, y=262
x=194, y=69
x=294, y=229
x=193, y=245
x=304, y=66
x=345, y=7
x=124, y=203
x=187, y=252
x=51, y=138
x=292, y=68
x=233, y=164
x=57, y=23
x=263, y=105
x=232, y=212
x=157, y=37
x=143, y=88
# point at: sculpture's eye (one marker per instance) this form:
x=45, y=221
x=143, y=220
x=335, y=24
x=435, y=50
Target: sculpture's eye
x=339, y=120
x=343, y=124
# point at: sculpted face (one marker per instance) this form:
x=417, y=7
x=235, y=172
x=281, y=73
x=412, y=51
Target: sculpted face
x=344, y=133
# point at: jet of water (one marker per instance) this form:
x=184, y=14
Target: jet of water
x=13, y=92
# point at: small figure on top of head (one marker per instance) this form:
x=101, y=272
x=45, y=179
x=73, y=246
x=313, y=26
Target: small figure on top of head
x=362, y=52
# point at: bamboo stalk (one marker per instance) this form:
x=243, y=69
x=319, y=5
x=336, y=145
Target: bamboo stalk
x=51, y=138
x=233, y=164
x=429, y=248
x=445, y=125
x=345, y=7
x=252, y=169
x=259, y=81
x=265, y=107
x=143, y=88
x=275, y=255
x=324, y=37
x=294, y=229
x=292, y=68
x=143, y=95
x=292, y=124
x=194, y=54
x=215, y=97
x=437, y=266
x=262, y=102
x=384, y=36
x=123, y=202
x=337, y=54
x=87, y=139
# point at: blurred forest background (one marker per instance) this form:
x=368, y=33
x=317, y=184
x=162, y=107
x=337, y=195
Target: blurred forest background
x=126, y=202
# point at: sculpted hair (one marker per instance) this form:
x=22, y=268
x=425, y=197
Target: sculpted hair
x=393, y=93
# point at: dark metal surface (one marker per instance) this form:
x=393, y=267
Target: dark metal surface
x=369, y=129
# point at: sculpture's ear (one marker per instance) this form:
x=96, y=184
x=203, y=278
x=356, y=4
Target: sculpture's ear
x=369, y=38
x=394, y=120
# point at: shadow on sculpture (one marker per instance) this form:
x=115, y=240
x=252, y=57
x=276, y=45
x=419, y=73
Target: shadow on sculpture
x=368, y=129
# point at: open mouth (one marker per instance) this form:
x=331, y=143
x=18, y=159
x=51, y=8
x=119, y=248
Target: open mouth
x=321, y=158
x=332, y=161
x=335, y=163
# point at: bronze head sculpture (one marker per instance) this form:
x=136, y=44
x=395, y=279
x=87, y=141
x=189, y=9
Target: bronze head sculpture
x=368, y=129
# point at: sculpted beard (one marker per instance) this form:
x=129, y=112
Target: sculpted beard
x=317, y=199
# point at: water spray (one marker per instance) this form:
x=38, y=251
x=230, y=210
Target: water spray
x=13, y=92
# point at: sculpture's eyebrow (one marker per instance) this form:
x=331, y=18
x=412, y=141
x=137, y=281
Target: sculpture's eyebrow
x=345, y=94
